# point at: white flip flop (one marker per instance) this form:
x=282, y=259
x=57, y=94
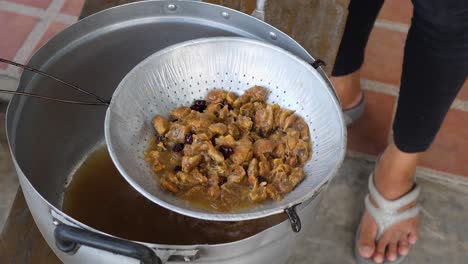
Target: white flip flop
x=354, y=113
x=386, y=216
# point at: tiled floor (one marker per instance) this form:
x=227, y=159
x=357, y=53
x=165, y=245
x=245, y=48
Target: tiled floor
x=25, y=25
x=381, y=73
x=443, y=231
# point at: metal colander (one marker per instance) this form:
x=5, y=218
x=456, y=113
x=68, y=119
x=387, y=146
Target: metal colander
x=184, y=72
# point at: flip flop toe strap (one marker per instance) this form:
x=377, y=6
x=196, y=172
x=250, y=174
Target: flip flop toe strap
x=387, y=214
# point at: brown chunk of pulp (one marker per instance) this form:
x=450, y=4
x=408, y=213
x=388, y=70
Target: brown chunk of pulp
x=227, y=153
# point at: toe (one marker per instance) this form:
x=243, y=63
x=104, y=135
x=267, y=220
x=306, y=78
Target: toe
x=379, y=255
x=403, y=246
x=413, y=237
x=366, y=243
x=392, y=251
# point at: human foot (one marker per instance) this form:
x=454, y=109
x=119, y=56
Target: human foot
x=393, y=178
x=348, y=89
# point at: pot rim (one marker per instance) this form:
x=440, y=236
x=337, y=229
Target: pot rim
x=43, y=60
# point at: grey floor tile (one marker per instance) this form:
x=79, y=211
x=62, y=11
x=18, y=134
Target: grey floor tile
x=443, y=230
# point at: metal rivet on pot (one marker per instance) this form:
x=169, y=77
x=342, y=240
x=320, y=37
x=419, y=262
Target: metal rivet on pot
x=273, y=35
x=225, y=14
x=55, y=222
x=172, y=7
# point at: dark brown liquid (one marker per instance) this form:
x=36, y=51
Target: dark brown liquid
x=229, y=201
x=99, y=197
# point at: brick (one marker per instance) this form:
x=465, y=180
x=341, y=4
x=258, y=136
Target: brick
x=43, y=4
x=399, y=11
x=14, y=30
x=72, y=7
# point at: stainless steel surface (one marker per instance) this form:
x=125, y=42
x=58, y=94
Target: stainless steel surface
x=184, y=72
x=49, y=141
x=74, y=87
x=65, y=101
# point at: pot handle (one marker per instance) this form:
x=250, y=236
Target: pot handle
x=68, y=239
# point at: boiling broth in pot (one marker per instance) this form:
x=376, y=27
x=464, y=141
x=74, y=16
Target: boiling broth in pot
x=99, y=196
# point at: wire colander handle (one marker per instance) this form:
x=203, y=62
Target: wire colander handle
x=100, y=100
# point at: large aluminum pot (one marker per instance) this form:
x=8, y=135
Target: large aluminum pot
x=49, y=141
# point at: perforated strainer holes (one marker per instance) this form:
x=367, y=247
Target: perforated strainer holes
x=131, y=144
